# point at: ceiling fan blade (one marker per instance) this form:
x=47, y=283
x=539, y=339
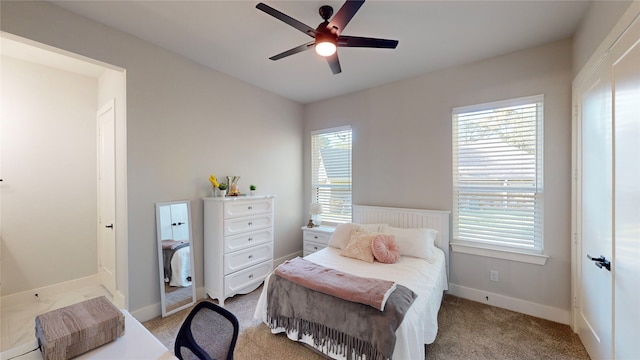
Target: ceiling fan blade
x=295, y=50
x=344, y=15
x=334, y=63
x=287, y=19
x=357, y=41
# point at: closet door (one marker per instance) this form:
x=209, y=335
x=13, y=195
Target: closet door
x=626, y=92
x=594, y=305
x=608, y=203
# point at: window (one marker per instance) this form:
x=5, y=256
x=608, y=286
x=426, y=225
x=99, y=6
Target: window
x=331, y=173
x=497, y=175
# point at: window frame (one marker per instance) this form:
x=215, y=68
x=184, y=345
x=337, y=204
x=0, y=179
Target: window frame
x=340, y=211
x=462, y=190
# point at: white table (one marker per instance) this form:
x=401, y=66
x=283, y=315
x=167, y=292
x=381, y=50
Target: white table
x=136, y=343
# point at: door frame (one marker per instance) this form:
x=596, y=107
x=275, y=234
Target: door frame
x=111, y=84
x=576, y=213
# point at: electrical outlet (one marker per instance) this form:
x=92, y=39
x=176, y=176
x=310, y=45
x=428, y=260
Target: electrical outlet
x=493, y=275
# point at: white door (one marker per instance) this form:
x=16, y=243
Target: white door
x=595, y=224
x=626, y=85
x=179, y=222
x=106, y=197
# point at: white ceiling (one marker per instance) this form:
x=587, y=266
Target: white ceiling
x=237, y=39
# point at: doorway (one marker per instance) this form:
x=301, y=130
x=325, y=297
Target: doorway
x=61, y=166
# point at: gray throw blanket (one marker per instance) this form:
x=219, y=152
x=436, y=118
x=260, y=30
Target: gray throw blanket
x=344, y=327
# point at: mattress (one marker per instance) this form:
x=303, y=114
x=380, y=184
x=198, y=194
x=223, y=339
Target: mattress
x=428, y=279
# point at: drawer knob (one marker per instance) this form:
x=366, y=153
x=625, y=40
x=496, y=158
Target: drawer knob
x=250, y=223
x=250, y=256
x=315, y=236
x=315, y=248
x=250, y=239
x=250, y=276
x=250, y=207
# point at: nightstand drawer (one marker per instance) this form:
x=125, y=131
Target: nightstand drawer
x=320, y=238
x=311, y=247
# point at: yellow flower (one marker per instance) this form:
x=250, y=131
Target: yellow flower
x=213, y=181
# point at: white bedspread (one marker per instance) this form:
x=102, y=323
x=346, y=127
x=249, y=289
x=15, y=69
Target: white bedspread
x=427, y=279
x=181, y=267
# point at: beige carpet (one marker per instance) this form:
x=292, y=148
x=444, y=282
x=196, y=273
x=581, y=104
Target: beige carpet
x=467, y=330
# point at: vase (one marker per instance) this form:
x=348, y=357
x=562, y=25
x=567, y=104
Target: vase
x=252, y=192
x=223, y=193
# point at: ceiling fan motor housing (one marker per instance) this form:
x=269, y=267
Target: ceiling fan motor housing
x=326, y=12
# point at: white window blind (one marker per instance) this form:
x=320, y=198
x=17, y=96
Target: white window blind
x=497, y=174
x=331, y=173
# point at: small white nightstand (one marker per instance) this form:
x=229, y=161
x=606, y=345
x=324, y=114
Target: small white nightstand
x=316, y=238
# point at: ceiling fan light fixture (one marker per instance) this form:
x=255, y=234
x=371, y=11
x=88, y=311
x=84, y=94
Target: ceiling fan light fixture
x=325, y=45
x=325, y=48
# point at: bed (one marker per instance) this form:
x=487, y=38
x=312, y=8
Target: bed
x=177, y=262
x=426, y=278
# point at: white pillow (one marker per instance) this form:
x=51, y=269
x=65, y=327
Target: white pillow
x=372, y=228
x=418, y=243
x=342, y=233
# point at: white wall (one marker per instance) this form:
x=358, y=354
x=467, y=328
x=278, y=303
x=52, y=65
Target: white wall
x=49, y=170
x=599, y=20
x=402, y=156
x=184, y=122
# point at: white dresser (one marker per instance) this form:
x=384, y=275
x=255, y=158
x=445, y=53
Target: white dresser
x=238, y=244
x=316, y=238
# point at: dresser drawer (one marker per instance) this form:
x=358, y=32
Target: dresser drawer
x=240, y=225
x=311, y=247
x=246, y=208
x=244, y=258
x=245, y=240
x=247, y=277
x=321, y=238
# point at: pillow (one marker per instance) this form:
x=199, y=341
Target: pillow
x=372, y=228
x=385, y=249
x=342, y=233
x=414, y=242
x=359, y=246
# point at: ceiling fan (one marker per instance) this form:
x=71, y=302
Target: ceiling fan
x=328, y=35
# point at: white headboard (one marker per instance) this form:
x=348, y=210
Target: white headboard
x=408, y=218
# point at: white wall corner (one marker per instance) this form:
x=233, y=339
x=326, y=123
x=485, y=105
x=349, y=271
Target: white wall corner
x=148, y=312
x=280, y=260
x=522, y=306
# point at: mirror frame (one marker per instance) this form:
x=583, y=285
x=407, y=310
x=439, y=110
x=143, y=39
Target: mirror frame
x=163, y=300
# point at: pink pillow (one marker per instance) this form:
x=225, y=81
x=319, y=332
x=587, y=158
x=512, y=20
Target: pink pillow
x=385, y=249
x=359, y=246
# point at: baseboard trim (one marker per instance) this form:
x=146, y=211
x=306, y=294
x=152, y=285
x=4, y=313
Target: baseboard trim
x=154, y=310
x=518, y=305
x=29, y=296
x=148, y=312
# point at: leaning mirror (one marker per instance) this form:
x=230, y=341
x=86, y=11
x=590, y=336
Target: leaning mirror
x=175, y=256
